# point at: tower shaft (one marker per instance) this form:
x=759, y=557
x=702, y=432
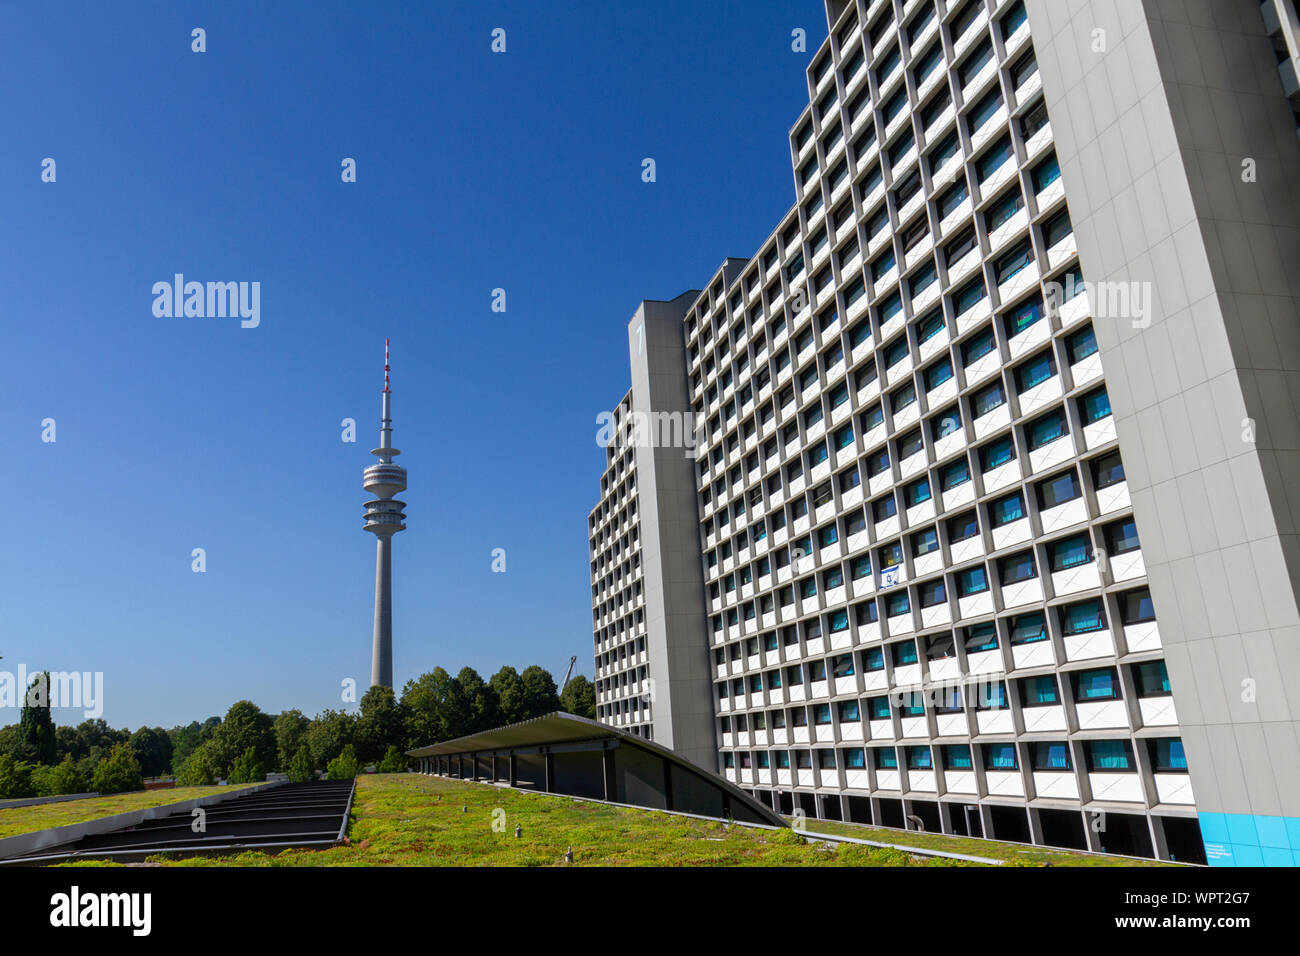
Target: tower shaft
x=381, y=657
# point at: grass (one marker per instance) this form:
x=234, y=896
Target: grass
x=16, y=820
x=1014, y=853
x=413, y=820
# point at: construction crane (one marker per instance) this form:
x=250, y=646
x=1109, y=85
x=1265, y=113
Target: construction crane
x=567, y=674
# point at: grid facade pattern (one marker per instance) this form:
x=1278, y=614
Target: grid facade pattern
x=617, y=588
x=924, y=581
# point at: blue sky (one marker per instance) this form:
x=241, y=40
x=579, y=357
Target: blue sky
x=475, y=171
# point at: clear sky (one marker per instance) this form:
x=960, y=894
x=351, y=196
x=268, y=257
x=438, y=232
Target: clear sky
x=475, y=171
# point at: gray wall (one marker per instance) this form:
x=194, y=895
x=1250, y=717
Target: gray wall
x=1151, y=135
x=676, y=621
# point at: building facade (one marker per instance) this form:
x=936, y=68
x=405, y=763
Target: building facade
x=998, y=439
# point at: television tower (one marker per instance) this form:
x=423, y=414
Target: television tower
x=384, y=518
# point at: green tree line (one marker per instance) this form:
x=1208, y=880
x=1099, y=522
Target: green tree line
x=39, y=759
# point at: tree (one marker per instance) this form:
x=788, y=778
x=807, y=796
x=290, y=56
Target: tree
x=15, y=778
x=246, y=768
x=510, y=694
x=59, y=779
x=245, y=726
x=484, y=708
x=345, y=766
x=36, y=739
x=290, y=732
x=579, y=697
x=328, y=734
x=120, y=773
x=153, y=749
x=539, y=693
x=381, y=724
x=300, y=768
x=200, y=768
x=186, y=739
x=424, y=702
x=394, y=762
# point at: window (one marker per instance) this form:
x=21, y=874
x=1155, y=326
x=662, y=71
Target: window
x=1045, y=430
x=882, y=509
x=953, y=196
x=904, y=653
x=963, y=526
x=1094, y=406
x=898, y=604
x=981, y=637
x=987, y=399
x=1000, y=757
x=921, y=279
x=1082, y=618
x=972, y=581
x=1034, y=372
x=1135, y=607
x=1021, y=71
x=936, y=375
x=1046, y=173
x=1167, y=755
x=1039, y=691
x=1028, y=628
x=1080, y=345
x=971, y=294
x=996, y=454
x=1017, y=568
x=924, y=542
x=957, y=473
x=1057, y=491
x=854, y=759
x=1003, y=208
x=873, y=417
x=993, y=158
x=917, y=492
x=918, y=758
x=1122, y=537
x=873, y=659
x=983, y=111
x=1056, y=228
x=1013, y=19
x=844, y=437
x=956, y=757
x=1108, y=756
x=929, y=61
x=1011, y=263
x=1070, y=552
x=963, y=243
x=1050, y=756
x=1107, y=471
x=861, y=567
x=970, y=66
x=886, y=758
x=827, y=536
x=1152, y=679
x=1094, y=685
x=910, y=444
x=901, y=147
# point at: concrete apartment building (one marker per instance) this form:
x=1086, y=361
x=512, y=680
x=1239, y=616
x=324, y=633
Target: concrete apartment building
x=986, y=521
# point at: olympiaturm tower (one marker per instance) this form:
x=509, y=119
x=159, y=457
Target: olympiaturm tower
x=384, y=518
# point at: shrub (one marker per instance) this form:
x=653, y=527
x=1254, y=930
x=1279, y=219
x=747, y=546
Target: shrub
x=119, y=772
x=300, y=768
x=247, y=768
x=394, y=761
x=199, y=768
x=15, y=778
x=59, y=779
x=344, y=766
